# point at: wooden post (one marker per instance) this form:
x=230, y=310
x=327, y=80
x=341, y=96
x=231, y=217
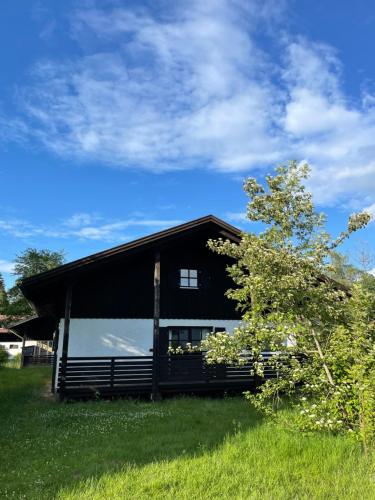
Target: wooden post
x=112, y=379
x=55, y=347
x=64, y=354
x=155, y=396
x=23, y=351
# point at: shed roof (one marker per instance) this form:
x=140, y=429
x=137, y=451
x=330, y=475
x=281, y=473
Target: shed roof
x=35, y=328
x=7, y=335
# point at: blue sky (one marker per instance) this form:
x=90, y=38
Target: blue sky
x=121, y=118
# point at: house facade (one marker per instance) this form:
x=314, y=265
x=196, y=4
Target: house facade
x=11, y=342
x=117, y=312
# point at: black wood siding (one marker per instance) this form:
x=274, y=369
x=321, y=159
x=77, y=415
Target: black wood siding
x=209, y=301
x=124, y=288
x=121, y=290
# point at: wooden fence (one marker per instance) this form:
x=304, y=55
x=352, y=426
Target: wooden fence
x=42, y=359
x=133, y=374
x=116, y=375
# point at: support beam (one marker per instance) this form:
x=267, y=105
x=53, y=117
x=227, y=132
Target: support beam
x=155, y=366
x=65, y=346
x=55, y=346
x=23, y=351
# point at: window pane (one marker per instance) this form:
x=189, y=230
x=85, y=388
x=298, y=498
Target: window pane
x=184, y=334
x=193, y=273
x=196, y=333
x=205, y=332
x=184, y=282
x=195, y=343
x=184, y=273
x=193, y=282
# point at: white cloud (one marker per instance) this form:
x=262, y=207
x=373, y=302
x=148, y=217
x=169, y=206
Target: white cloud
x=324, y=127
x=6, y=266
x=371, y=210
x=191, y=85
x=237, y=217
x=173, y=94
x=84, y=226
x=81, y=219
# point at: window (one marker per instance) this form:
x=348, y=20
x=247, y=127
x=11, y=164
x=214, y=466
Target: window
x=188, y=278
x=13, y=346
x=179, y=336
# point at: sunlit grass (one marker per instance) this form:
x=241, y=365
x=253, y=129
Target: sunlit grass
x=178, y=448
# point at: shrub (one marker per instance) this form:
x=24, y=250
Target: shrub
x=4, y=356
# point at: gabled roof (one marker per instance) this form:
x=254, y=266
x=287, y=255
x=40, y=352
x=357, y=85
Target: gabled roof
x=227, y=231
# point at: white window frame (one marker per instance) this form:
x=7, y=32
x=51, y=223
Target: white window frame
x=188, y=279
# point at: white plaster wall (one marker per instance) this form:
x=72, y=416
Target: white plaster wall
x=14, y=352
x=108, y=337
x=122, y=337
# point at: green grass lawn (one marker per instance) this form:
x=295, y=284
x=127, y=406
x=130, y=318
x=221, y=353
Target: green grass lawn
x=179, y=448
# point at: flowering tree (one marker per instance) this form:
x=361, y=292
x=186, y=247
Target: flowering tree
x=310, y=323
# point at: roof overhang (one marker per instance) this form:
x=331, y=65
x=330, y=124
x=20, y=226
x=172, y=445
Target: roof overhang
x=35, y=328
x=8, y=336
x=67, y=272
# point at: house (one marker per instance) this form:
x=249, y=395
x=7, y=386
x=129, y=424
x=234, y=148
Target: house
x=116, y=313
x=27, y=339
x=11, y=341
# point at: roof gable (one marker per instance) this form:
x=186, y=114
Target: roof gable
x=226, y=230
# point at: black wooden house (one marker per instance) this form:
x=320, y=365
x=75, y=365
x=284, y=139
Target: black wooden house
x=116, y=313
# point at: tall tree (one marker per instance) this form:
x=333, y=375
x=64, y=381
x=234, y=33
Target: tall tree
x=291, y=307
x=27, y=263
x=341, y=269
x=366, y=263
x=3, y=296
x=17, y=305
x=32, y=261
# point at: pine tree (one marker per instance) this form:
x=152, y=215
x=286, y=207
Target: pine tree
x=3, y=297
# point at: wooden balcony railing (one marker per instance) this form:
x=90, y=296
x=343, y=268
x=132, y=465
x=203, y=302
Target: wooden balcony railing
x=126, y=374
x=109, y=374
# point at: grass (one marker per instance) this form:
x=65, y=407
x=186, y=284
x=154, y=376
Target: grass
x=177, y=449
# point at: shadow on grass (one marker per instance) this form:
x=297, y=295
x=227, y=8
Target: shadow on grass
x=57, y=445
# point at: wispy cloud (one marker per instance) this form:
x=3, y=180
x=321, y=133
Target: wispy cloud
x=172, y=93
x=325, y=127
x=192, y=85
x=371, y=210
x=237, y=217
x=84, y=226
x=6, y=266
